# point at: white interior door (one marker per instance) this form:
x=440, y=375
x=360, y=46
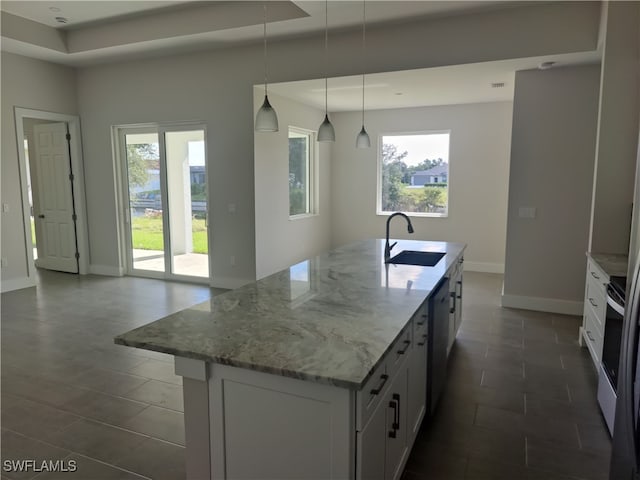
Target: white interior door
x=53, y=206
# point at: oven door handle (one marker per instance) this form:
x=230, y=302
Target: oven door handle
x=615, y=305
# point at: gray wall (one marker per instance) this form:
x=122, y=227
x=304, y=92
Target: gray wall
x=32, y=84
x=216, y=88
x=281, y=241
x=617, y=130
x=478, y=178
x=552, y=158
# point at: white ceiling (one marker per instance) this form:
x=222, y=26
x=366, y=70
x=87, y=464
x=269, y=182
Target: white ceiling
x=100, y=31
x=451, y=85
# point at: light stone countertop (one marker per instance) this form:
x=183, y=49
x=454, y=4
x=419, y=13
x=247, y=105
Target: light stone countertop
x=329, y=319
x=614, y=265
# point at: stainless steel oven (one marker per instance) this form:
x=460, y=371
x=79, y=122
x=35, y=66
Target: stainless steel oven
x=608, y=374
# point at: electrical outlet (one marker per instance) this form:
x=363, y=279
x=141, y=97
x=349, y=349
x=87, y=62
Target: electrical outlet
x=4, y=262
x=5, y=207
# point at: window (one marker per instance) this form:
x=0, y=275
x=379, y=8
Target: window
x=301, y=172
x=413, y=174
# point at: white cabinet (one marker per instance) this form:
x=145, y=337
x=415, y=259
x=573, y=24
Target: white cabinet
x=383, y=443
x=455, y=302
x=595, y=311
x=417, y=376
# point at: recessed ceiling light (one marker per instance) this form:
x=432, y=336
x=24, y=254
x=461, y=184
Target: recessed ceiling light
x=62, y=20
x=54, y=9
x=497, y=85
x=398, y=93
x=546, y=65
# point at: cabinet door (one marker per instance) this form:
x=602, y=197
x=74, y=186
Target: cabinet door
x=371, y=443
x=396, y=446
x=417, y=388
x=458, y=319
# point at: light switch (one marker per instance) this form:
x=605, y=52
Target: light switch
x=527, y=212
x=231, y=208
x=5, y=207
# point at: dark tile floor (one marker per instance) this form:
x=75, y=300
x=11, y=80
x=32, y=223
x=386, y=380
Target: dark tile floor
x=519, y=402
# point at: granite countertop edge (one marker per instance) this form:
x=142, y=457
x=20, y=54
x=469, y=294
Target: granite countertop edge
x=193, y=332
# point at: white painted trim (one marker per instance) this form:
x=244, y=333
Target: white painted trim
x=191, y=368
x=229, y=282
x=17, y=284
x=552, y=305
x=73, y=122
x=485, y=267
x=107, y=270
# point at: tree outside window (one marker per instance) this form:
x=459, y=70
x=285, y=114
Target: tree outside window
x=414, y=173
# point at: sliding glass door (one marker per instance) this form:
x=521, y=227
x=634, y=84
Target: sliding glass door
x=166, y=194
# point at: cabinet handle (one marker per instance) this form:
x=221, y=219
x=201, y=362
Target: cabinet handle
x=592, y=302
x=424, y=337
x=394, y=405
x=594, y=275
x=384, y=377
x=424, y=316
x=406, y=347
x=396, y=397
x=590, y=337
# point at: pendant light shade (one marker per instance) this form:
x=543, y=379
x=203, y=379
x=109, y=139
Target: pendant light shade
x=326, y=133
x=266, y=118
x=363, y=140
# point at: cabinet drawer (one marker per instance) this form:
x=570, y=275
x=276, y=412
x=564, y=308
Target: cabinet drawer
x=595, y=273
x=596, y=300
x=420, y=324
x=592, y=335
x=369, y=397
x=400, y=350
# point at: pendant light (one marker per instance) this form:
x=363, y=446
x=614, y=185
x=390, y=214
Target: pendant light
x=266, y=118
x=363, y=140
x=326, y=133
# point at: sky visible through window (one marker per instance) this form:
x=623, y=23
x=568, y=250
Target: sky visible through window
x=421, y=147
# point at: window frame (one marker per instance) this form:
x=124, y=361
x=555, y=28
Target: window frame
x=312, y=174
x=378, y=206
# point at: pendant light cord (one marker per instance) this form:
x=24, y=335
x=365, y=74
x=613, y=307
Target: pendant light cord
x=364, y=50
x=326, y=55
x=264, y=35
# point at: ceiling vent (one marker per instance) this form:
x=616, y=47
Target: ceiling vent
x=497, y=85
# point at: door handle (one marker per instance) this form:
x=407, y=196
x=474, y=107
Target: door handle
x=592, y=302
x=394, y=428
x=594, y=275
x=590, y=337
x=396, y=397
x=41, y=216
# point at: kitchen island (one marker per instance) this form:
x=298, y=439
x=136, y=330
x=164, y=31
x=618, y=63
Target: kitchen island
x=317, y=371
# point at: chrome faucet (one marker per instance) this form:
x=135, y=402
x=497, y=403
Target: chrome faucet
x=387, y=247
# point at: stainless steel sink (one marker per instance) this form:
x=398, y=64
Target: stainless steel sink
x=412, y=257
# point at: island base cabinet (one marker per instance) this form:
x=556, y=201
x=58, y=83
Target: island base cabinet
x=268, y=426
x=382, y=447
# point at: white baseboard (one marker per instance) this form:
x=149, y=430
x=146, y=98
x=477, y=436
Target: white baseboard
x=484, y=267
x=552, y=305
x=229, y=282
x=17, y=284
x=107, y=270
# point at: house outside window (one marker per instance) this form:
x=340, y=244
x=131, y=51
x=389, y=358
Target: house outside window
x=301, y=173
x=413, y=173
